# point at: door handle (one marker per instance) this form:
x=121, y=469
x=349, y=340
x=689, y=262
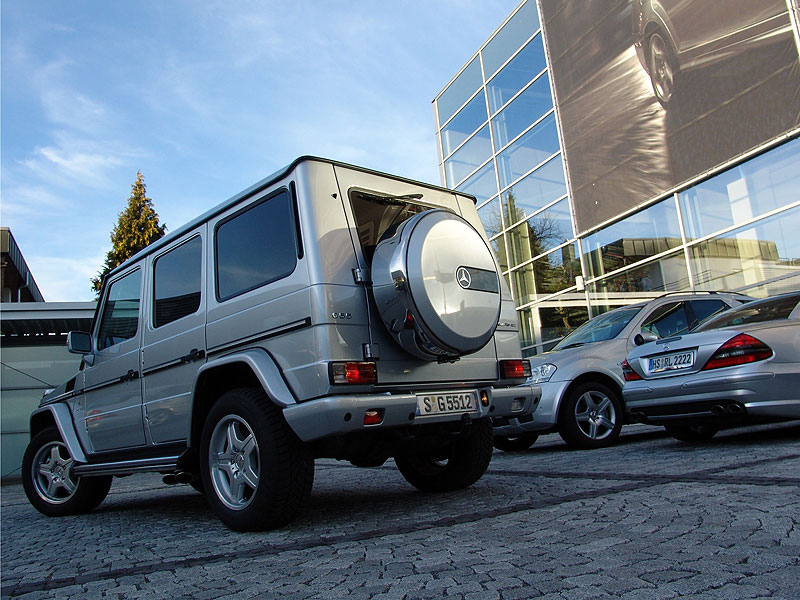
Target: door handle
x=194, y=354
x=129, y=376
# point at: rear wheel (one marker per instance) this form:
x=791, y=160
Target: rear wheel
x=459, y=466
x=692, y=433
x=49, y=483
x=591, y=416
x=515, y=443
x=256, y=472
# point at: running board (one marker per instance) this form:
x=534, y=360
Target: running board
x=126, y=467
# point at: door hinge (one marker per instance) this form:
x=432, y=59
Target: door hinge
x=361, y=276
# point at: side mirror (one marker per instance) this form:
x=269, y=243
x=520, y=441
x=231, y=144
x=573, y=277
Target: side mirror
x=79, y=342
x=644, y=337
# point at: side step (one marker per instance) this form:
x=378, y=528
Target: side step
x=126, y=467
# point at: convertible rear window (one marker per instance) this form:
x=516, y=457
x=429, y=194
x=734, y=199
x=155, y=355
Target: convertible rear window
x=756, y=312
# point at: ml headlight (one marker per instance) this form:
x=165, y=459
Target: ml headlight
x=542, y=373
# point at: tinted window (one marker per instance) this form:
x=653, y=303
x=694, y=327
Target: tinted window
x=705, y=308
x=255, y=247
x=667, y=320
x=120, y=320
x=177, y=283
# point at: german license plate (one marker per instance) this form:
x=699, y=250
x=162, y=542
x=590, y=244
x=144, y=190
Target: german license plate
x=446, y=403
x=671, y=362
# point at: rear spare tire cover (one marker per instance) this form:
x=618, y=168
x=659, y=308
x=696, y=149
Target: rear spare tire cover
x=436, y=286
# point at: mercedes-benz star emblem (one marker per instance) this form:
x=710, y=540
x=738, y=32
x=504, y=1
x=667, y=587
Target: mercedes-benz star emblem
x=463, y=277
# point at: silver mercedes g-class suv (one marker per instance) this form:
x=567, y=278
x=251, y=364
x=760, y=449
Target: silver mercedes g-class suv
x=327, y=311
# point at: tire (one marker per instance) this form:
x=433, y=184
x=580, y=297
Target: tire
x=590, y=416
x=663, y=69
x=515, y=443
x=256, y=472
x=460, y=466
x=692, y=433
x=49, y=483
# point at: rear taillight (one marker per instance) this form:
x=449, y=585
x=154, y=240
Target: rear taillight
x=628, y=373
x=354, y=372
x=515, y=369
x=739, y=350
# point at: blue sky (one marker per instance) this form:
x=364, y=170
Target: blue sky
x=206, y=98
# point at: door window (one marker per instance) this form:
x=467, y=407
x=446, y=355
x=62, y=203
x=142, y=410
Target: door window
x=667, y=320
x=176, y=283
x=705, y=308
x=120, y=320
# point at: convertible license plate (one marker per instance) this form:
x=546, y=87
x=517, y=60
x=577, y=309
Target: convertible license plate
x=671, y=362
x=446, y=403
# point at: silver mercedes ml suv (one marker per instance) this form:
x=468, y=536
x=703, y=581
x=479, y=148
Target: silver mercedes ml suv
x=327, y=311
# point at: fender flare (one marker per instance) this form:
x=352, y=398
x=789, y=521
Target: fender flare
x=263, y=367
x=66, y=427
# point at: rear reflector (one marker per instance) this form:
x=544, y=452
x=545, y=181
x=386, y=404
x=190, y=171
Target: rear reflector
x=515, y=369
x=373, y=416
x=354, y=372
x=739, y=350
x=628, y=373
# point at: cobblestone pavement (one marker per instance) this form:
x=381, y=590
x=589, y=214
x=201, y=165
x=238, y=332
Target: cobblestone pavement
x=651, y=518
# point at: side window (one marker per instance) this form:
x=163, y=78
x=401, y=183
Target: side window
x=120, y=320
x=705, y=308
x=176, y=282
x=667, y=320
x=255, y=247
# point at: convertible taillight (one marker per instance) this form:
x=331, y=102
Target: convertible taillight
x=628, y=373
x=739, y=350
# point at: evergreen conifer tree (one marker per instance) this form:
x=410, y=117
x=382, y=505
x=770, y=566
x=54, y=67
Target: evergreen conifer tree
x=137, y=227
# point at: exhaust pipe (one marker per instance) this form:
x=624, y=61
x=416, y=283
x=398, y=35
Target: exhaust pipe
x=176, y=478
x=735, y=409
x=717, y=409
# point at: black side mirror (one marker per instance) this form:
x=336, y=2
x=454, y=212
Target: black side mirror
x=79, y=342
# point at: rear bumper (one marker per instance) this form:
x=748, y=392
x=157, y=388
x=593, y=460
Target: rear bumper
x=338, y=415
x=741, y=396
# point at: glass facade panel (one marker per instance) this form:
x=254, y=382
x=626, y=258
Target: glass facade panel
x=521, y=26
x=644, y=234
x=761, y=259
x=490, y=217
x=516, y=74
x=758, y=186
x=547, y=275
x=472, y=154
x=460, y=90
x=483, y=184
x=556, y=322
x=524, y=110
x=534, y=147
x=464, y=123
x=542, y=232
x=545, y=185
x=668, y=274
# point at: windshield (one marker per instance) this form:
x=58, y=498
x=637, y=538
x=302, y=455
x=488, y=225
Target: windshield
x=754, y=312
x=605, y=327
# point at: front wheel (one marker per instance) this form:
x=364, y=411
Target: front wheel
x=515, y=443
x=663, y=69
x=50, y=485
x=692, y=433
x=256, y=472
x=591, y=416
x=457, y=467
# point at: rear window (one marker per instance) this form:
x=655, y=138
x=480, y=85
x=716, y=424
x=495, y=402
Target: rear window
x=378, y=214
x=755, y=312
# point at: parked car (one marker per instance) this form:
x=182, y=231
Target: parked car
x=671, y=36
x=740, y=367
x=303, y=318
x=581, y=377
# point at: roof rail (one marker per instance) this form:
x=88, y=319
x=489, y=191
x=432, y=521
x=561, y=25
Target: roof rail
x=690, y=293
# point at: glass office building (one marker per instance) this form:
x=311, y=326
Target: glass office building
x=605, y=177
